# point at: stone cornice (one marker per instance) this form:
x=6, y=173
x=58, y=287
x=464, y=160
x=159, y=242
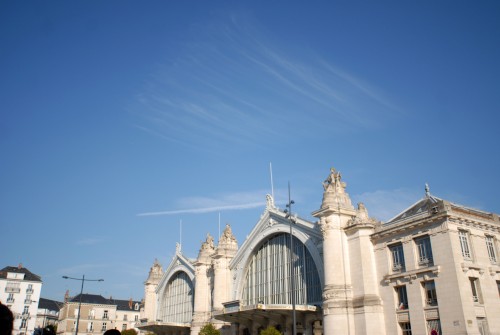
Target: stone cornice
x=412, y=275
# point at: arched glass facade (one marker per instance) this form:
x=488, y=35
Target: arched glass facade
x=268, y=274
x=176, y=304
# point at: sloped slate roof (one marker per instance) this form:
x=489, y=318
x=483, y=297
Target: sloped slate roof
x=50, y=305
x=28, y=275
x=91, y=299
x=125, y=305
x=417, y=208
x=100, y=300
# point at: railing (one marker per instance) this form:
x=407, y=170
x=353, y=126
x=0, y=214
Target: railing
x=28, y=301
x=29, y=290
x=431, y=302
x=10, y=299
x=12, y=289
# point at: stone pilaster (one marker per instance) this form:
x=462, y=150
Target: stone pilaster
x=150, y=285
x=225, y=252
x=335, y=213
x=202, y=297
x=367, y=304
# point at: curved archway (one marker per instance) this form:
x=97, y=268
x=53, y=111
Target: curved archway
x=177, y=300
x=267, y=278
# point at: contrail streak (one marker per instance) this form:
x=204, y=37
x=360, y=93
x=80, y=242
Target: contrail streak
x=206, y=209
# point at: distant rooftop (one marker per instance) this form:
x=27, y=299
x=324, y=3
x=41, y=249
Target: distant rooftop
x=100, y=300
x=50, y=305
x=28, y=275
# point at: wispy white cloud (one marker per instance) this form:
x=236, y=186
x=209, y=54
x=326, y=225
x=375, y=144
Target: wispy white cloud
x=205, y=209
x=223, y=202
x=202, y=98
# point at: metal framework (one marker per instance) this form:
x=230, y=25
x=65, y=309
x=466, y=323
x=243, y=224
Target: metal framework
x=268, y=278
x=176, y=303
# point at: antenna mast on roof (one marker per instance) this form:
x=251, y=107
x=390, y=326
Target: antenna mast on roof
x=271, y=172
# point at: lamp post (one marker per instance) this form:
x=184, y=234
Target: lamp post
x=81, y=293
x=292, y=279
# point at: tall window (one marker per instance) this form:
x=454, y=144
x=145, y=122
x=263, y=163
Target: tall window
x=104, y=326
x=26, y=310
x=498, y=286
x=434, y=327
x=476, y=290
x=490, y=245
x=23, y=324
x=105, y=315
x=176, y=304
x=405, y=328
x=424, y=251
x=464, y=244
x=402, y=297
x=268, y=280
x=124, y=326
x=398, y=259
x=10, y=298
x=90, y=327
x=430, y=293
x=124, y=317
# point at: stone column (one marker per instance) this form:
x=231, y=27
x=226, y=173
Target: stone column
x=367, y=304
x=225, y=252
x=202, y=296
x=335, y=212
x=150, y=285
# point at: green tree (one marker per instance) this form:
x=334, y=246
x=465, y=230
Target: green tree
x=129, y=332
x=270, y=331
x=209, y=329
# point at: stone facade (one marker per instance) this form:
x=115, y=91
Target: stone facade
x=432, y=269
x=20, y=291
x=97, y=314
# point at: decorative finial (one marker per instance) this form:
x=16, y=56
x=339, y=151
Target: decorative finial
x=427, y=190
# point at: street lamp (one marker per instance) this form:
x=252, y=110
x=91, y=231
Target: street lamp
x=292, y=279
x=81, y=293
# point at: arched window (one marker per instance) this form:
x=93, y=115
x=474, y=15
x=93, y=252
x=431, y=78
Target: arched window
x=176, y=304
x=268, y=274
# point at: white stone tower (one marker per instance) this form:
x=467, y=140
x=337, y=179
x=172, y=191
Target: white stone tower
x=224, y=253
x=150, y=285
x=352, y=304
x=203, y=286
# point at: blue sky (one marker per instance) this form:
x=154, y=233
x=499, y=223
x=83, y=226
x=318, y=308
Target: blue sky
x=119, y=119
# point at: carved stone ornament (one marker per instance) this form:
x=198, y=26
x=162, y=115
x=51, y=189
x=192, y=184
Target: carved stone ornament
x=207, y=247
x=227, y=235
x=270, y=202
x=325, y=225
x=335, y=194
x=361, y=216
